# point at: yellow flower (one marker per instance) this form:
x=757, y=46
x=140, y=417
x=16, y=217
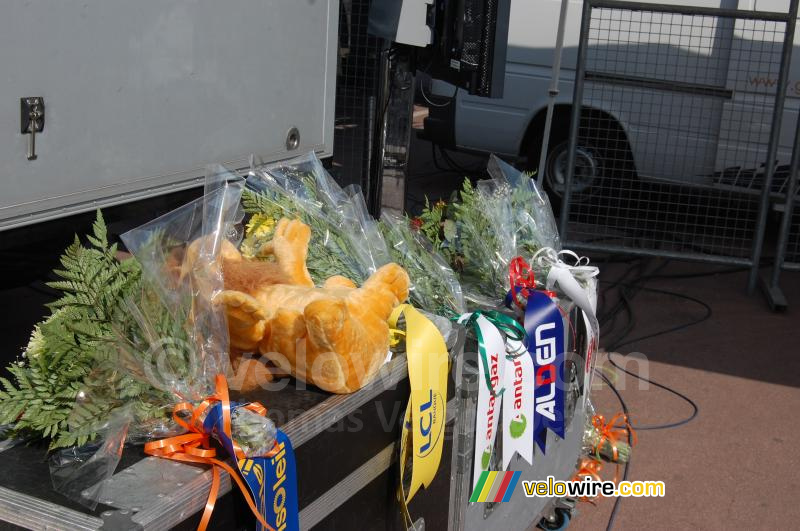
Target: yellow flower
x=260, y=226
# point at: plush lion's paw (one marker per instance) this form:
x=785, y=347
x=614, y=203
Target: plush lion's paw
x=326, y=320
x=291, y=236
x=338, y=281
x=392, y=277
x=244, y=306
x=328, y=372
x=290, y=247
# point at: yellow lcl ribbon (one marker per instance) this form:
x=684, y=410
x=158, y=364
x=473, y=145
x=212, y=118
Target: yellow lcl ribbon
x=426, y=415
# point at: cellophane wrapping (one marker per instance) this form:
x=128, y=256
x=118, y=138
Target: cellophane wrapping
x=485, y=225
x=301, y=189
x=172, y=342
x=346, y=239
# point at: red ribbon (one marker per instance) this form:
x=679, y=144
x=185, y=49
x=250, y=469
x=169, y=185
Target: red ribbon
x=195, y=446
x=520, y=275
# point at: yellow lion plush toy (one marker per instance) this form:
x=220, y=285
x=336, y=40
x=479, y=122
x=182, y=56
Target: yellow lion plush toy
x=335, y=337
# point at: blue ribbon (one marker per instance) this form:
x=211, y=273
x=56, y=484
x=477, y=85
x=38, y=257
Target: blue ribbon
x=544, y=327
x=272, y=480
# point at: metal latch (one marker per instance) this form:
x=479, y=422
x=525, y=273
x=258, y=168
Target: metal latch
x=31, y=121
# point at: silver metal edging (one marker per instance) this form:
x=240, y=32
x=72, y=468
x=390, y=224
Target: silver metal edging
x=305, y=427
x=32, y=513
x=320, y=508
x=169, y=511
x=317, y=510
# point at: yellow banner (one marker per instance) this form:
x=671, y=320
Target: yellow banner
x=428, y=365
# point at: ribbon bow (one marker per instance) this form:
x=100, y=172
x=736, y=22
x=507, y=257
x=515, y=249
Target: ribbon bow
x=567, y=276
x=611, y=432
x=588, y=467
x=515, y=334
x=520, y=279
x=195, y=446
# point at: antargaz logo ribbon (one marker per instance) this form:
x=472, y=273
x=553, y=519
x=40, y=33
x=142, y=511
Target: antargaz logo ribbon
x=518, y=406
x=492, y=358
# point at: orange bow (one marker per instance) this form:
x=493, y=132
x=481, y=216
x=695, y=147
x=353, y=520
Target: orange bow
x=588, y=467
x=195, y=447
x=609, y=431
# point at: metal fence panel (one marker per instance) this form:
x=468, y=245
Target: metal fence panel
x=793, y=244
x=360, y=72
x=675, y=130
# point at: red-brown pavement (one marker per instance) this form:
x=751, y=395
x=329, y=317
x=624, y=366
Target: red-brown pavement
x=735, y=466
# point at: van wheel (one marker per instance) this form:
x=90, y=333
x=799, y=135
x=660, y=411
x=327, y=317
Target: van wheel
x=588, y=170
x=599, y=160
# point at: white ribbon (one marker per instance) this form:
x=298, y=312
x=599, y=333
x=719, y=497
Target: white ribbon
x=569, y=279
x=488, y=408
x=567, y=276
x=518, y=404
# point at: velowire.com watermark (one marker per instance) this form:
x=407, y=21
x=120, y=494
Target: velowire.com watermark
x=591, y=488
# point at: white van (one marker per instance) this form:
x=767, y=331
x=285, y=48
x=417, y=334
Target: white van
x=729, y=133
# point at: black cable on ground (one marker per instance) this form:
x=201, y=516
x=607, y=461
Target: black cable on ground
x=676, y=328
x=620, y=343
x=615, y=509
x=682, y=422
x=627, y=291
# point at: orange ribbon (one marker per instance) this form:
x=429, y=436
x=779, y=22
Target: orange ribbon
x=611, y=432
x=195, y=446
x=588, y=467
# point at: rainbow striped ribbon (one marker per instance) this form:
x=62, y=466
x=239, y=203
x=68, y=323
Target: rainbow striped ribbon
x=495, y=486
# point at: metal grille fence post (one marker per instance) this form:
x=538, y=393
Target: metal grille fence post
x=674, y=147
x=774, y=138
x=575, y=117
x=359, y=86
x=772, y=289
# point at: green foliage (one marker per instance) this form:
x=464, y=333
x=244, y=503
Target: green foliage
x=66, y=383
x=485, y=226
x=339, y=238
x=529, y=235
x=434, y=287
x=464, y=233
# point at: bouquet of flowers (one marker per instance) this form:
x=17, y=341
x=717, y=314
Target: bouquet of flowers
x=434, y=286
x=484, y=226
x=291, y=192
x=346, y=240
x=71, y=356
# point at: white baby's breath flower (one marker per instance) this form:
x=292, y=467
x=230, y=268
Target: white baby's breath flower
x=36, y=344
